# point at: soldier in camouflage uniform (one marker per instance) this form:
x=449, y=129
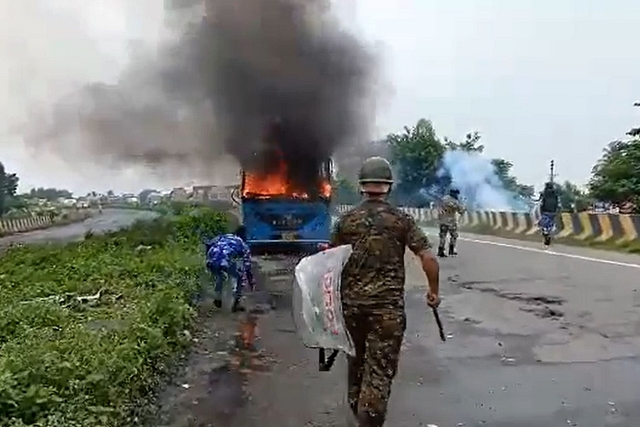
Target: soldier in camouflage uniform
x=450, y=207
x=373, y=289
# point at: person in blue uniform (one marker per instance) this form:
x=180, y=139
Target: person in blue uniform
x=549, y=207
x=228, y=255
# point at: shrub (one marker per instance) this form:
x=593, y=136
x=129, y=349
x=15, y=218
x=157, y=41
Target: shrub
x=87, y=329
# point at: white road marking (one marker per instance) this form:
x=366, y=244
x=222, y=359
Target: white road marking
x=550, y=252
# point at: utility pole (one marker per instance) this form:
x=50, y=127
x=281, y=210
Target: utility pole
x=552, y=172
x=635, y=132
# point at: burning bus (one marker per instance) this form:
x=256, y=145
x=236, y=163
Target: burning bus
x=282, y=216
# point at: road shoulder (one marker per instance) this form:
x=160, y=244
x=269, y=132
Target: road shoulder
x=575, y=252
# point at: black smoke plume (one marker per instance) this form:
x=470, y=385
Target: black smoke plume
x=249, y=78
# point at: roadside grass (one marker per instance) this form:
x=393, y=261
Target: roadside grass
x=89, y=329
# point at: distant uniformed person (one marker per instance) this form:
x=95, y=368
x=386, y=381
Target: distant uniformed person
x=549, y=201
x=373, y=288
x=450, y=208
x=549, y=206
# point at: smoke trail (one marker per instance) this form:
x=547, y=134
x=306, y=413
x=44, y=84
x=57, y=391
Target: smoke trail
x=253, y=75
x=480, y=187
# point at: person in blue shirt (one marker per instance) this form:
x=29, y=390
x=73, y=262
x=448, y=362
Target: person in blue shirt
x=228, y=255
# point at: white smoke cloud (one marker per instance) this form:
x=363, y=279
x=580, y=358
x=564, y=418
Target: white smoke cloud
x=475, y=176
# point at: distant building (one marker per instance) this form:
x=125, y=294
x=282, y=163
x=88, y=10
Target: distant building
x=94, y=199
x=154, y=198
x=179, y=194
x=201, y=192
x=212, y=192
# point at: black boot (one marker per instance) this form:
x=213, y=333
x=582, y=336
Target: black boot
x=217, y=303
x=364, y=420
x=369, y=420
x=352, y=417
x=441, y=253
x=452, y=250
x=237, y=306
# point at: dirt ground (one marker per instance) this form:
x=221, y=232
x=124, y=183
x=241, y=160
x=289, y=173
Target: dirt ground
x=211, y=386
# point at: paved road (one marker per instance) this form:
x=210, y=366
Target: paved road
x=536, y=339
x=110, y=219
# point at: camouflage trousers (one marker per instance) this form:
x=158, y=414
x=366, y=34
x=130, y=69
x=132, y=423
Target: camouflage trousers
x=377, y=335
x=452, y=230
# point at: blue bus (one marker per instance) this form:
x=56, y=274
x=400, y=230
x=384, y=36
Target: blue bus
x=279, y=222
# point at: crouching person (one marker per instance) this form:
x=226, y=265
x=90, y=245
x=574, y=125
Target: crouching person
x=228, y=256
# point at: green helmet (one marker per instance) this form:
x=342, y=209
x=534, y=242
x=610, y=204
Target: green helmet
x=375, y=170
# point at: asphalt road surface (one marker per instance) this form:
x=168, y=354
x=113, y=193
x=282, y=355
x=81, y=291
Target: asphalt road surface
x=108, y=220
x=535, y=339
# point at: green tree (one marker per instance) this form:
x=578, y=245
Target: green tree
x=17, y=202
x=50, y=194
x=509, y=182
x=503, y=172
x=470, y=144
x=8, y=188
x=572, y=198
x=416, y=153
x=616, y=176
x=635, y=132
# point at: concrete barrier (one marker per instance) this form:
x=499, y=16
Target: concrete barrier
x=599, y=227
x=9, y=226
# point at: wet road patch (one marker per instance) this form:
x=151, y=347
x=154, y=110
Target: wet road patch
x=540, y=305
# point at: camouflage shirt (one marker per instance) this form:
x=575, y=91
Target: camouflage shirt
x=374, y=276
x=449, y=208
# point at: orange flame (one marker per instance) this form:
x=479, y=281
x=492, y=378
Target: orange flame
x=276, y=184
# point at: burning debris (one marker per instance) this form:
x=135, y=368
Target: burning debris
x=285, y=64
x=270, y=174
x=276, y=183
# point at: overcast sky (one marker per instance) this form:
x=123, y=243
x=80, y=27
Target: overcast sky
x=538, y=79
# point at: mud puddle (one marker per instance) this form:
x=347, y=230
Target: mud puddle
x=210, y=388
